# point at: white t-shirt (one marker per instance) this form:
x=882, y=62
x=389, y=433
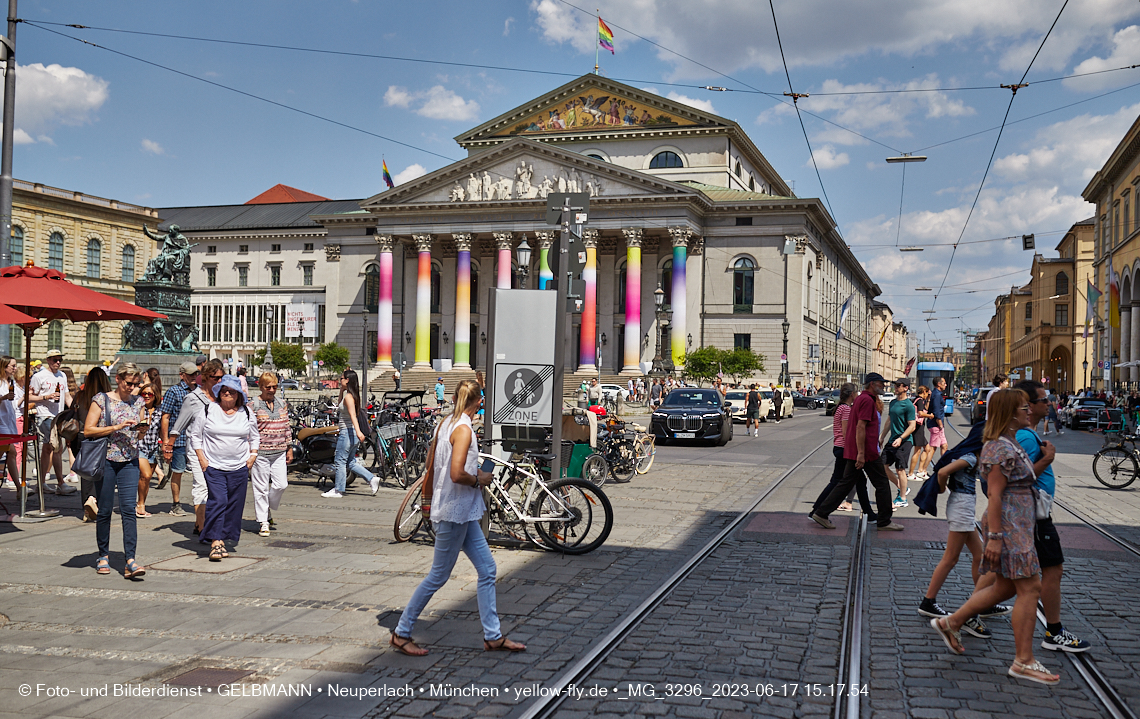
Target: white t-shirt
x=8, y=407
x=226, y=439
x=47, y=382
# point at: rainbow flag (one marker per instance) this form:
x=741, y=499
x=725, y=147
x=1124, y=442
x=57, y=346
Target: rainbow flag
x=387, y=175
x=605, y=36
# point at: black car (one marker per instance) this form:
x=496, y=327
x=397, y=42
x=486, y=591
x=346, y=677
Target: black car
x=1083, y=411
x=692, y=413
x=802, y=400
x=832, y=401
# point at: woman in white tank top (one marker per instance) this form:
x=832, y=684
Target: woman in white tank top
x=454, y=481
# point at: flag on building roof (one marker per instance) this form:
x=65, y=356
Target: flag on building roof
x=879, y=344
x=910, y=365
x=1092, y=294
x=1113, y=296
x=846, y=308
x=387, y=175
x=605, y=36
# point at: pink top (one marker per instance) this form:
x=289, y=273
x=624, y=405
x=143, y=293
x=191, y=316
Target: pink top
x=842, y=412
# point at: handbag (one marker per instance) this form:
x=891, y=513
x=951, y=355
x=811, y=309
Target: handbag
x=92, y=456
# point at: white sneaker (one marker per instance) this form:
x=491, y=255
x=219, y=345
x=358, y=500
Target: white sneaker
x=264, y=529
x=332, y=494
x=375, y=484
x=912, y=478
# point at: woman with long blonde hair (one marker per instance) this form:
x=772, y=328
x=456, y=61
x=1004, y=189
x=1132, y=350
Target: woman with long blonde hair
x=1009, y=551
x=453, y=479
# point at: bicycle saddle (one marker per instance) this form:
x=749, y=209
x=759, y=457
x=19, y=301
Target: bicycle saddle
x=540, y=456
x=310, y=431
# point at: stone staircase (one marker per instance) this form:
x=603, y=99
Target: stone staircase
x=424, y=379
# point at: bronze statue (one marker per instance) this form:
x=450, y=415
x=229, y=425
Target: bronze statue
x=172, y=264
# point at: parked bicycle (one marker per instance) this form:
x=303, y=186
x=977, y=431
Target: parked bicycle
x=1117, y=463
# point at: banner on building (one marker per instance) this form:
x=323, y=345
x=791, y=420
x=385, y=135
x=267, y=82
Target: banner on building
x=301, y=320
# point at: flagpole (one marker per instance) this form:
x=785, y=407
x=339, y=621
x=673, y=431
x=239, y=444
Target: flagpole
x=597, y=43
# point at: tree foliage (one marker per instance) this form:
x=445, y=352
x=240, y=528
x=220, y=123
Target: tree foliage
x=333, y=355
x=703, y=364
x=740, y=363
x=285, y=356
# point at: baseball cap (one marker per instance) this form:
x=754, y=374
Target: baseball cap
x=440, y=379
x=53, y=353
x=874, y=377
x=188, y=368
x=200, y=359
x=902, y=382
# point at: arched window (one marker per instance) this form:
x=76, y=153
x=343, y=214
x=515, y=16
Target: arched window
x=621, y=278
x=17, y=245
x=55, y=252
x=474, y=288
x=743, y=279
x=738, y=168
x=599, y=158
x=752, y=183
x=92, y=342
x=372, y=288
x=1062, y=284
x=129, y=263
x=665, y=159
x=55, y=335
x=94, y=258
x=667, y=282
x=436, y=287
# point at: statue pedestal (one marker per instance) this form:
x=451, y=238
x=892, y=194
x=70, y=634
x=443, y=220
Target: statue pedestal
x=167, y=343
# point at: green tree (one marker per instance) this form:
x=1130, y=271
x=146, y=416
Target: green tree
x=333, y=355
x=740, y=363
x=703, y=363
x=285, y=355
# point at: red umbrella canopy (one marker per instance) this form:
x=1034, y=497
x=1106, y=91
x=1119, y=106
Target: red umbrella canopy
x=9, y=316
x=47, y=295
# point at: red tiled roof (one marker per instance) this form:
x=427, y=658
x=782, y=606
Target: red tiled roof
x=283, y=193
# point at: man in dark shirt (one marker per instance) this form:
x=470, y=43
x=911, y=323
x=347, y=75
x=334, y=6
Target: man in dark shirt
x=861, y=451
x=938, y=408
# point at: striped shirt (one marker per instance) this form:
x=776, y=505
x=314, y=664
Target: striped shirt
x=842, y=412
x=272, y=425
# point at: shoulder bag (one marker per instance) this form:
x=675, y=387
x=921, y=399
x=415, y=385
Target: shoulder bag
x=92, y=455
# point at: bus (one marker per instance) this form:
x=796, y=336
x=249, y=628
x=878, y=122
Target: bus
x=930, y=371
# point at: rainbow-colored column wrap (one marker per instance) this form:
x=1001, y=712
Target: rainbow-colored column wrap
x=384, y=305
x=504, y=241
x=423, y=301
x=545, y=240
x=588, y=346
x=680, y=237
x=463, y=300
x=632, y=350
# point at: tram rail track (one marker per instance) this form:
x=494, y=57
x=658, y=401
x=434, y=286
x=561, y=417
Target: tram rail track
x=556, y=691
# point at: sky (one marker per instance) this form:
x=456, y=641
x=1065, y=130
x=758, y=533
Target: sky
x=167, y=121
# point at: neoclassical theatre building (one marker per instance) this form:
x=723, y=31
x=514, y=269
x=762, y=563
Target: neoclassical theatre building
x=679, y=199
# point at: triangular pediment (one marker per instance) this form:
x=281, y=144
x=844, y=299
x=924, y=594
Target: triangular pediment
x=521, y=170
x=591, y=104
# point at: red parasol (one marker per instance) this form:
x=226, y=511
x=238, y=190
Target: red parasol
x=44, y=295
x=9, y=316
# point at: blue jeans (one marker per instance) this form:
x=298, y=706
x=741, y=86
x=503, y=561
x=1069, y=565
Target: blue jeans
x=450, y=537
x=123, y=476
x=345, y=459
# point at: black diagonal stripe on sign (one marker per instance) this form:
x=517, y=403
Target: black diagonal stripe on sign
x=529, y=388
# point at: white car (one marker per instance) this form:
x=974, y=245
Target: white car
x=611, y=392
x=738, y=398
x=789, y=407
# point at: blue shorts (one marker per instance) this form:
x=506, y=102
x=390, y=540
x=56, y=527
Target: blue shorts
x=178, y=460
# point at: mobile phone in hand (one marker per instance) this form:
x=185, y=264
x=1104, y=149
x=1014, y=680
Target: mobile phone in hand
x=488, y=465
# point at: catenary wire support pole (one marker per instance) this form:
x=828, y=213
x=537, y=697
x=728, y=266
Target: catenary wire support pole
x=8, y=53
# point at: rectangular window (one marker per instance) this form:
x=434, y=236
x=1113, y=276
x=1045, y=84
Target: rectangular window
x=239, y=323
x=217, y=312
x=196, y=315
x=211, y=249
x=743, y=221
x=203, y=322
x=1127, y=220
x=261, y=324
x=308, y=247
x=1028, y=310
x=275, y=275
x=228, y=324
x=372, y=345
x=17, y=246
x=741, y=341
x=320, y=324
x=275, y=248
x=1061, y=316
x=16, y=341
x=243, y=249
x=308, y=275
x=243, y=276
x=211, y=276
x=1028, y=330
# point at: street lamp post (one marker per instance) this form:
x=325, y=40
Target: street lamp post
x=658, y=369
x=1086, y=366
x=1112, y=375
x=785, y=375
x=522, y=254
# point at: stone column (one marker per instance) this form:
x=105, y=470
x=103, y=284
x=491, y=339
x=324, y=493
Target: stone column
x=384, y=306
x=504, y=242
x=632, y=356
x=423, y=301
x=680, y=237
x=463, y=300
x=1134, y=344
x=588, y=345
x=1125, y=342
x=544, y=240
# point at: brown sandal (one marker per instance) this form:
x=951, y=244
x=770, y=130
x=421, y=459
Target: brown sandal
x=503, y=644
x=405, y=645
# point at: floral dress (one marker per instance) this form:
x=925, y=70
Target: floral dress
x=1018, y=509
x=123, y=446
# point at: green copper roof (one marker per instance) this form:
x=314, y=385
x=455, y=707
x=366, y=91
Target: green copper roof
x=723, y=194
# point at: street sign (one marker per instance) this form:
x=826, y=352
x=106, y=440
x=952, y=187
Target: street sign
x=575, y=296
x=523, y=394
x=576, y=253
x=578, y=202
x=1028, y=373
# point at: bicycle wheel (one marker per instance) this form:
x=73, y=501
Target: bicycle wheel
x=410, y=517
x=595, y=470
x=1115, y=467
x=583, y=512
x=623, y=461
x=502, y=513
x=401, y=471
x=646, y=451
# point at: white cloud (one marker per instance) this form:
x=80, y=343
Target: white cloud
x=409, y=173
x=438, y=103
x=827, y=159
x=739, y=34
x=1125, y=52
x=152, y=147
x=705, y=105
x=52, y=95
x=507, y=26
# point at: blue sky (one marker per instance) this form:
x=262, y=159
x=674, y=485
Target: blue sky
x=102, y=123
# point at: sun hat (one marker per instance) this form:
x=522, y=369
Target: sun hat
x=54, y=353
x=231, y=382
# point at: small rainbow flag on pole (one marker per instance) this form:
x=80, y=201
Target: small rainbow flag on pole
x=387, y=175
x=605, y=36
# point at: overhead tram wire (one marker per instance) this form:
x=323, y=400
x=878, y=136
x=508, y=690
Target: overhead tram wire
x=989, y=164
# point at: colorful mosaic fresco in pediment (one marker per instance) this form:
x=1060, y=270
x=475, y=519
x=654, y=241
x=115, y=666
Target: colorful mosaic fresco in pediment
x=595, y=109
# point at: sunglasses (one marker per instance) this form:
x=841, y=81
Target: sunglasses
x=146, y=394
x=1038, y=401
x=216, y=377
x=192, y=374
x=132, y=384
